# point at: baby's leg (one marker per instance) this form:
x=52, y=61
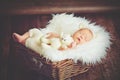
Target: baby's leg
x=21, y=38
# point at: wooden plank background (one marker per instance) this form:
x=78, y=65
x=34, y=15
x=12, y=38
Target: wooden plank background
x=20, y=7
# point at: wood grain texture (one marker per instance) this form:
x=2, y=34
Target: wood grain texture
x=53, y=6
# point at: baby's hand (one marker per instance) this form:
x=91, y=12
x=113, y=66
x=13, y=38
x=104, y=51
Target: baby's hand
x=72, y=45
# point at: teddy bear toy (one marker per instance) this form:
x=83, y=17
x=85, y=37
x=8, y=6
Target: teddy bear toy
x=66, y=41
x=61, y=43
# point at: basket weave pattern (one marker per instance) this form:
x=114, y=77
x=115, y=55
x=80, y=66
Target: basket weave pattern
x=55, y=70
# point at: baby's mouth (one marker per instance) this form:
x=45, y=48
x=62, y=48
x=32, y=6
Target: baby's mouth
x=78, y=39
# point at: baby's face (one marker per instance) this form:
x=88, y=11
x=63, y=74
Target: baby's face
x=82, y=36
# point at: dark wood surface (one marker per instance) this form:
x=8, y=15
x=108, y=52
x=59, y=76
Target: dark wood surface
x=20, y=7
x=12, y=66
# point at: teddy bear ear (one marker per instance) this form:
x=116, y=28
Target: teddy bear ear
x=61, y=35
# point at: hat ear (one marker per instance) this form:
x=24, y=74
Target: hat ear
x=81, y=26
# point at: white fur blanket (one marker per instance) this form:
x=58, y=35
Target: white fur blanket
x=90, y=52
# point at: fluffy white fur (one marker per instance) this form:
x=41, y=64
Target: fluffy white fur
x=90, y=52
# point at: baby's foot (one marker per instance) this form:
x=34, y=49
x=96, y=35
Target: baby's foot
x=18, y=38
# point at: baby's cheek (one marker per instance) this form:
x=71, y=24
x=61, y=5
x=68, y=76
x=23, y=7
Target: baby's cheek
x=88, y=38
x=83, y=40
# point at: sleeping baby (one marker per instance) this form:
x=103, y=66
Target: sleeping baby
x=55, y=40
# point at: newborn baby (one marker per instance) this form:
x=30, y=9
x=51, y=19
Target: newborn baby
x=81, y=36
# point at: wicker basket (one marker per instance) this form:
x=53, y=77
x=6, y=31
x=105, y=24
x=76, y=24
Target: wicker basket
x=54, y=70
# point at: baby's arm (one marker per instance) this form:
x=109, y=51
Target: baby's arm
x=52, y=35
